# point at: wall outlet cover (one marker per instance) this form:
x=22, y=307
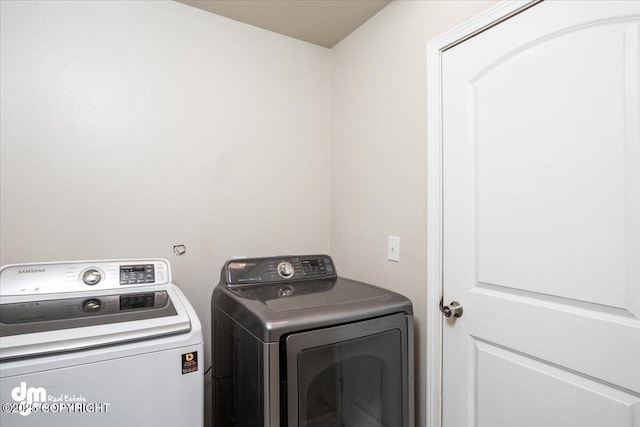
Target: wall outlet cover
x=393, y=248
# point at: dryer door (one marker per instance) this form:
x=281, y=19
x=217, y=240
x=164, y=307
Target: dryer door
x=351, y=375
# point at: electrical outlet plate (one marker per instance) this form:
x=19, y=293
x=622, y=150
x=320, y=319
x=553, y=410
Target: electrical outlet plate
x=393, y=248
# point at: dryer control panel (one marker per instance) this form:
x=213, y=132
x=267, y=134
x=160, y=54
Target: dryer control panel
x=249, y=271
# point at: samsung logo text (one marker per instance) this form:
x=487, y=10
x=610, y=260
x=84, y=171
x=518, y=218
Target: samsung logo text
x=32, y=270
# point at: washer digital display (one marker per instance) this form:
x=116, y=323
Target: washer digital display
x=134, y=274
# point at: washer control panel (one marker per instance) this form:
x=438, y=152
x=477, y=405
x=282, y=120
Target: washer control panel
x=81, y=276
x=248, y=271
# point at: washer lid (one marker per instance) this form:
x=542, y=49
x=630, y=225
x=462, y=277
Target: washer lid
x=62, y=312
x=37, y=327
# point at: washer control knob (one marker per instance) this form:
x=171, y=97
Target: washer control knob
x=285, y=269
x=91, y=276
x=91, y=305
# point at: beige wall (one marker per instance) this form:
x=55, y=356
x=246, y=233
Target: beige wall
x=379, y=150
x=128, y=127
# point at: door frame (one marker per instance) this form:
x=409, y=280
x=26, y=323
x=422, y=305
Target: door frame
x=435, y=48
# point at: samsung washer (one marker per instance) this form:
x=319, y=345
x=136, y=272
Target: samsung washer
x=100, y=343
x=295, y=345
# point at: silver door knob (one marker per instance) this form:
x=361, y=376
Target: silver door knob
x=454, y=309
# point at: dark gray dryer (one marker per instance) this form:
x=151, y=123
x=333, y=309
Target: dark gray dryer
x=295, y=345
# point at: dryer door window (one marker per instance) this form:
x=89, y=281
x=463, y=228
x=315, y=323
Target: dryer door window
x=359, y=381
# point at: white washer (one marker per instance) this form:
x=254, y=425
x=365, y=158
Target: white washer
x=100, y=343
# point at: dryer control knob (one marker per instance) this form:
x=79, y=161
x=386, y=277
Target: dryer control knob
x=91, y=277
x=285, y=269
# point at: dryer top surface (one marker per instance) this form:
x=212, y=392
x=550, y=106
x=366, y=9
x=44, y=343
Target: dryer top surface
x=275, y=308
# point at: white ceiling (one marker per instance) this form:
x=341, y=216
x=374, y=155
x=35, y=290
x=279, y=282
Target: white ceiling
x=322, y=22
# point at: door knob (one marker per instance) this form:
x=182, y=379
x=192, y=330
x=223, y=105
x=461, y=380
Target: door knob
x=454, y=309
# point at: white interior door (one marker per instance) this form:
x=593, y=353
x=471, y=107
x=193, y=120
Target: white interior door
x=541, y=211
